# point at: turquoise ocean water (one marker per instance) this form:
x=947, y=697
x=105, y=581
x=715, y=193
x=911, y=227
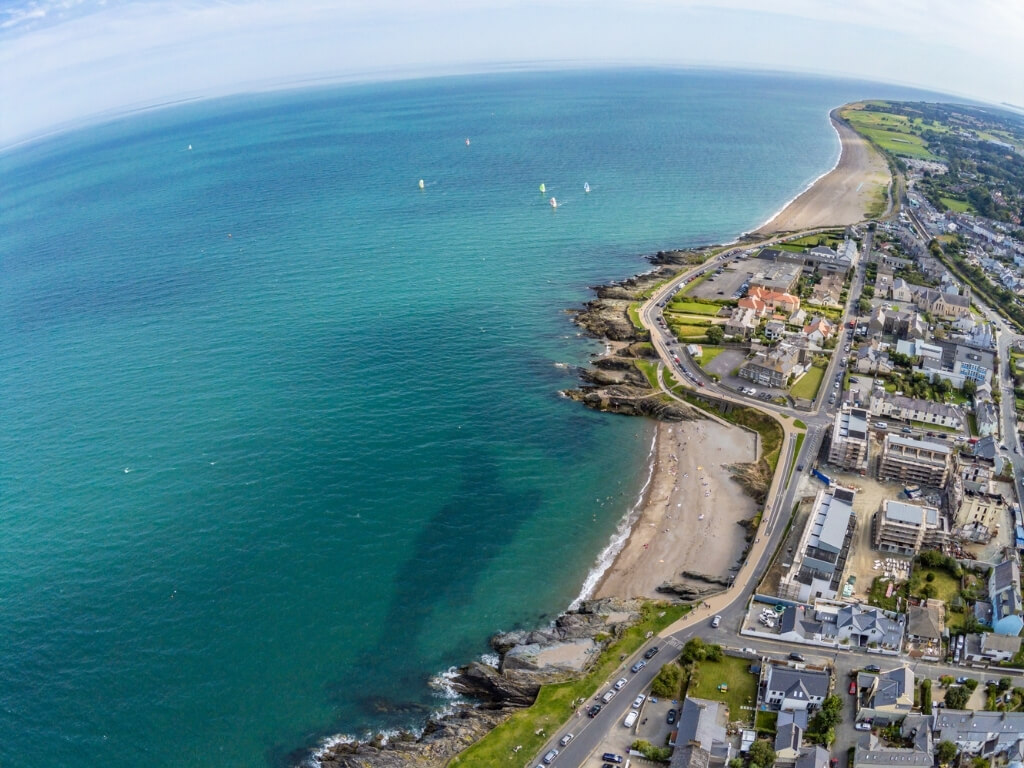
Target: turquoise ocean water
x=281, y=436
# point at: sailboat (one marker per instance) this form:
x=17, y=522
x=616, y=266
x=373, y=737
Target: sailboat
x=542, y=187
x=421, y=183
x=467, y=142
x=586, y=187
x=553, y=202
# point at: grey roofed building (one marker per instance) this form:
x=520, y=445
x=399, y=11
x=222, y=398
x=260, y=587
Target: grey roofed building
x=979, y=733
x=690, y=756
x=871, y=751
x=789, y=732
x=825, y=544
x=925, y=622
x=701, y=724
x=890, y=694
x=862, y=625
x=790, y=688
x=813, y=757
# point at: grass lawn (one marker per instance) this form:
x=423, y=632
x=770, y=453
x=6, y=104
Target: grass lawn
x=890, y=132
x=960, y=206
x=555, y=703
x=709, y=353
x=650, y=370
x=764, y=723
x=688, y=331
x=799, y=424
x=634, y=315
x=945, y=586
x=832, y=239
x=694, y=308
x=807, y=385
x=736, y=674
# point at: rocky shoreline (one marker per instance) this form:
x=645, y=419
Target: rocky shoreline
x=527, y=660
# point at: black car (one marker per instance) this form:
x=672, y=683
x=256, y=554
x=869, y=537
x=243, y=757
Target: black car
x=872, y=668
x=592, y=712
x=796, y=656
x=651, y=652
x=670, y=718
x=611, y=757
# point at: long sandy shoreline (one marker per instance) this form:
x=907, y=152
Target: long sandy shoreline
x=678, y=527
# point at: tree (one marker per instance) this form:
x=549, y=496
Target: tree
x=970, y=685
x=969, y=388
x=863, y=306
x=1005, y=683
x=946, y=752
x=957, y=696
x=668, y=681
x=761, y=754
x=715, y=334
x=926, y=697
x=929, y=577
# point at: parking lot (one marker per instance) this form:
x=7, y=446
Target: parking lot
x=724, y=285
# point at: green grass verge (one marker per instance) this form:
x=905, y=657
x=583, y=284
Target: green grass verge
x=688, y=332
x=807, y=385
x=694, y=308
x=796, y=453
x=736, y=674
x=555, y=703
x=960, y=206
x=650, y=370
x=634, y=315
x=889, y=132
x=799, y=424
x=946, y=587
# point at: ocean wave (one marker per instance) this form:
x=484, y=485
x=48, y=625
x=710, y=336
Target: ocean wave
x=619, y=538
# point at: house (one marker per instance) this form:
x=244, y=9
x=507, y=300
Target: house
x=906, y=529
x=888, y=696
x=777, y=301
x=926, y=626
x=818, y=259
x=797, y=318
x=940, y=304
x=987, y=418
x=872, y=752
x=786, y=687
x=872, y=358
x=701, y=735
x=1005, y=596
x=979, y=515
x=818, y=330
x=910, y=460
x=828, y=292
x=813, y=757
x=848, y=449
x=982, y=734
x=789, y=734
x=774, y=329
x=904, y=408
x=759, y=306
x=862, y=626
x=742, y=322
x=900, y=290
x=773, y=367
x=988, y=648
x=958, y=363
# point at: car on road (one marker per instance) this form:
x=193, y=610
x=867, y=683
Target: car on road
x=611, y=757
x=592, y=712
x=881, y=425
x=873, y=668
x=638, y=666
x=797, y=656
x=607, y=696
x=906, y=430
x=716, y=621
x=853, y=687
x=991, y=683
x=799, y=467
x=751, y=651
x=639, y=700
x=550, y=756
x=670, y=718
x=630, y=719
x=961, y=680
x=651, y=652
x=566, y=739
x=620, y=683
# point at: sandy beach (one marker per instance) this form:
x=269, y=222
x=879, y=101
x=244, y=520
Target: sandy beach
x=841, y=196
x=690, y=517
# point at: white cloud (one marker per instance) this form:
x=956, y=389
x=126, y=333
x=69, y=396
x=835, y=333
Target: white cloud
x=64, y=60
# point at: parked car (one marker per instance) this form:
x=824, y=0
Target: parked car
x=566, y=739
x=797, y=656
x=550, y=756
x=638, y=701
x=638, y=666
x=873, y=668
x=592, y=712
x=608, y=696
x=670, y=718
x=853, y=687
x=862, y=726
x=611, y=757
x=630, y=718
x=620, y=683
x=651, y=652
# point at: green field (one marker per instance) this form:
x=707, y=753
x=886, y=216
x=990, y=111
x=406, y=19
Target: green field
x=809, y=241
x=736, y=674
x=960, y=206
x=890, y=132
x=694, y=308
x=807, y=385
x=688, y=332
x=529, y=729
x=946, y=587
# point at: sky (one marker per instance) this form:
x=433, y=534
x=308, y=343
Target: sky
x=64, y=62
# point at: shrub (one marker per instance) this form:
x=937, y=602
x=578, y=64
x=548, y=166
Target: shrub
x=668, y=682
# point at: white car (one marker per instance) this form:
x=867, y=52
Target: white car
x=566, y=739
x=716, y=621
x=638, y=701
x=620, y=683
x=630, y=719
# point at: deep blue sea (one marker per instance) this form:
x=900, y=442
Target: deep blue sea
x=281, y=433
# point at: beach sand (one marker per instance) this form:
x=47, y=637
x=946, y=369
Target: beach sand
x=840, y=197
x=690, y=482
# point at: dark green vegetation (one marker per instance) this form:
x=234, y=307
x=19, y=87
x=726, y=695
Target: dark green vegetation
x=556, y=703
